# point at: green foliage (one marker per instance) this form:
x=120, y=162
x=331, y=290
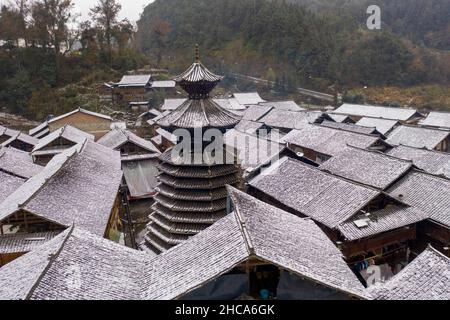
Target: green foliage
x=38, y=68
x=285, y=42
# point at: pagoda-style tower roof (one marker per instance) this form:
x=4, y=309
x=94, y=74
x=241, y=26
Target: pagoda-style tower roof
x=192, y=191
x=199, y=111
x=203, y=113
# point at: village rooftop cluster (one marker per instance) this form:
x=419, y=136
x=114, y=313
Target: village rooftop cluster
x=344, y=203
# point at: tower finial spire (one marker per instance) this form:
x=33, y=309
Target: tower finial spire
x=197, y=53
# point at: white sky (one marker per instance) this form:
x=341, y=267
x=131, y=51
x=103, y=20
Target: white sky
x=131, y=9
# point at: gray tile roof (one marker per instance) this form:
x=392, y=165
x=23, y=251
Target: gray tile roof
x=16, y=164
x=350, y=127
x=199, y=114
x=426, y=278
x=400, y=114
x=230, y=104
x=256, y=112
x=290, y=119
x=19, y=136
x=117, y=137
x=253, y=230
x=328, y=141
x=417, y=137
x=390, y=218
x=164, y=84
x=248, y=98
x=283, y=105
x=434, y=162
x=8, y=132
x=68, y=133
x=427, y=193
x=384, y=126
x=437, y=119
x=321, y=196
x=21, y=243
x=367, y=167
x=39, y=128
x=197, y=72
x=9, y=184
x=135, y=80
x=81, y=110
x=172, y=104
x=78, y=186
x=249, y=127
x=339, y=117
x=75, y=265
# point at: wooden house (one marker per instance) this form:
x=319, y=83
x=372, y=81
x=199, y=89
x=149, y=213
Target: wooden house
x=91, y=122
x=437, y=120
x=74, y=265
x=56, y=142
x=430, y=194
x=370, y=168
x=79, y=186
x=286, y=121
x=16, y=139
x=417, y=137
x=166, y=87
x=319, y=143
x=437, y=163
x=353, y=128
x=426, y=278
x=15, y=169
x=256, y=251
x=384, y=126
x=132, y=88
x=366, y=223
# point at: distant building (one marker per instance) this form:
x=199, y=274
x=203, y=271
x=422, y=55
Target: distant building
x=356, y=112
x=94, y=123
x=384, y=126
x=248, y=98
x=437, y=120
x=417, y=137
x=319, y=143
x=132, y=88
x=136, y=88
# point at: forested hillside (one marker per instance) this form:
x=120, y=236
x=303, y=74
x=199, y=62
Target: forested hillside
x=422, y=21
x=42, y=73
x=313, y=46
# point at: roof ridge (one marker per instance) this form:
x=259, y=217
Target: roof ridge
x=423, y=149
x=433, y=249
x=51, y=260
x=377, y=152
x=241, y=222
x=343, y=130
x=31, y=197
